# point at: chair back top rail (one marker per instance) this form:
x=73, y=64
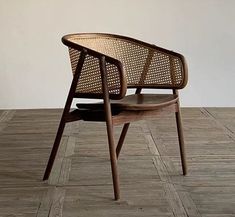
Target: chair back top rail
x=130, y=63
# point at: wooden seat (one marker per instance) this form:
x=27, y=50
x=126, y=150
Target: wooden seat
x=104, y=66
x=135, y=102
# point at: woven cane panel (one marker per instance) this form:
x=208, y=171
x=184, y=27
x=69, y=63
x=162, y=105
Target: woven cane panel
x=90, y=78
x=160, y=72
x=113, y=79
x=132, y=56
x=177, y=68
x=74, y=57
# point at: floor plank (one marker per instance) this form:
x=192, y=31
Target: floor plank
x=149, y=165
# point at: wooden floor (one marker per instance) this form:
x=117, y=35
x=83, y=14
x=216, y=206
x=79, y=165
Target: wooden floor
x=151, y=182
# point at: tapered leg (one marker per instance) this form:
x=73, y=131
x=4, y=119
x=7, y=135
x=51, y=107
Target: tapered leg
x=113, y=159
x=54, y=149
x=181, y=140
x=109, y=124
x=65, y=113
x=122, y=137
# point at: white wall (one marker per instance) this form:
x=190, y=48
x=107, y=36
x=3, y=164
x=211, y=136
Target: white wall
x=34, y=65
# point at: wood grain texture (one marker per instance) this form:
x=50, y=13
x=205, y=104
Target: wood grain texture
x=149, y=167
x=136, y=102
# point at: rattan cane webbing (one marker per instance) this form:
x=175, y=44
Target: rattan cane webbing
x=144, y=66
x=90, y=78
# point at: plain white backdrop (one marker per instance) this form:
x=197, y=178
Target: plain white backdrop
x=34, y=66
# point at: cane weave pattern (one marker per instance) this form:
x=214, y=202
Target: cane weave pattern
x=144, y=66
x=90, y=77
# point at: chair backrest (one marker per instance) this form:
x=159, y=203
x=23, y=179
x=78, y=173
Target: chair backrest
x=145, y=65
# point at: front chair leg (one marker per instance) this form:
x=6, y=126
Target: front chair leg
x=181, y=139
x=54, y=149
x=113, y=158
x=109, y=124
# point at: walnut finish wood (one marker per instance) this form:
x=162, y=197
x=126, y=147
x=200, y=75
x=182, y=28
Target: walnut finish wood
x=122, y=138
x=64, y=115
x=180, y=135
x=103, y=67
x=109, y=124
x=136, y=102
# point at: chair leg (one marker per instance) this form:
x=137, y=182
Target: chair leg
x=113, y=158
x=109, y=124
x=122, y=137
x=181, y=140
x=54, y=149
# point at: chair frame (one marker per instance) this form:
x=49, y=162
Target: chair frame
x=125, y=117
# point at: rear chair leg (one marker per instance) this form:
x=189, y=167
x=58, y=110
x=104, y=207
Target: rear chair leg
x=181, y=139
x=122, y=137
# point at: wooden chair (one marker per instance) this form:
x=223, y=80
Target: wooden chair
x=104, y=66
